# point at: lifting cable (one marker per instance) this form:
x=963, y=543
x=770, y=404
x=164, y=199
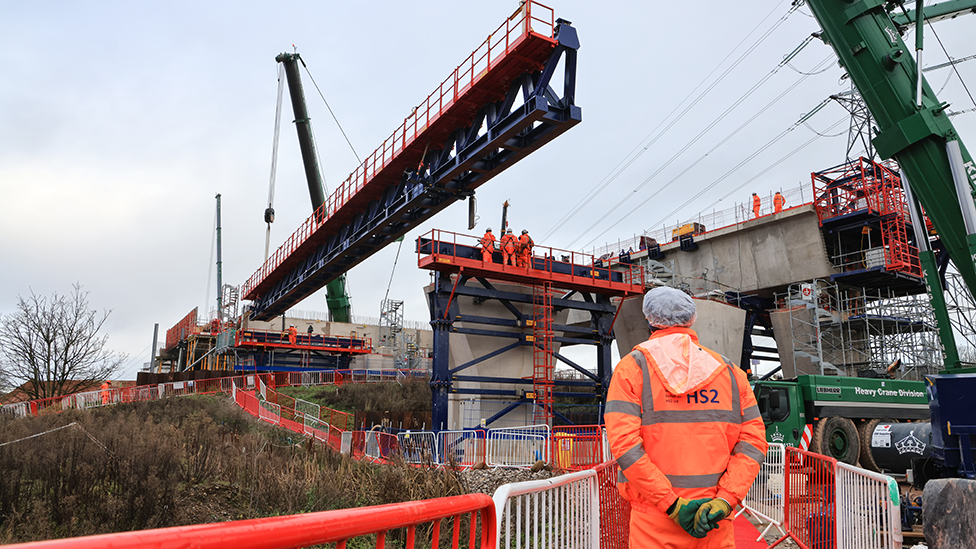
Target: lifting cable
x=701, y=134
x=269, y=213
x=641, y=147
x=314, y=83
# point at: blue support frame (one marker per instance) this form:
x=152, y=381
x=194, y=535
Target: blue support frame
x=444, y=311
x=510, y=135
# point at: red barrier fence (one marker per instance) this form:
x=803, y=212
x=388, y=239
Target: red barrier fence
x=810, y=510
x=313, y=528
x=614, y=509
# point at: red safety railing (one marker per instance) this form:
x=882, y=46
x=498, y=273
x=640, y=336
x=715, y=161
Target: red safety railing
x=614, y=509
x=531, y=18
x=245, y=338
x=810, y=493
x=340, y=526
x=438, y=247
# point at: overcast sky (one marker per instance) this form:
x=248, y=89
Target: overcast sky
x=120, y=121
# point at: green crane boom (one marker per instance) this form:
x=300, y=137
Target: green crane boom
x=912, y=127
x=335, y=292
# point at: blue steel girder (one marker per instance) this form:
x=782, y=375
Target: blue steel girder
x=445, y=290
x=452, y=171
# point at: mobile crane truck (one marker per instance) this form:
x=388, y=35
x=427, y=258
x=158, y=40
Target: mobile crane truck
x=842, y=417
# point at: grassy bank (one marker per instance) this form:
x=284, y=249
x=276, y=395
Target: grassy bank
x=179, y=461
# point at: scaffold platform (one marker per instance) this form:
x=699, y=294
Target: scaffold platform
x=304, y=342
x=459, y=253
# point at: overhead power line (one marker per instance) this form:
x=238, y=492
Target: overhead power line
x=643, y=147
x=629, y=197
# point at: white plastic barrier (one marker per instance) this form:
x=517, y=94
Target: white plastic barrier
x=372, y=444
x=559, y=512
x=20, y=409
x=460, y=448
x=418, y=446
x=270, y=412
x=765, y=498
x=517, y=446
x=307, y=408
x=868, y=510
x=319, y=430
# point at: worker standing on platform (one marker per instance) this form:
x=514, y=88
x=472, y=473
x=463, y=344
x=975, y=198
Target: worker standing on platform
x=778, y=202
x=685, y=429
x=487, y=246
x=525, y=249
x=292, y=334
x=509, y=245
x=756, y=203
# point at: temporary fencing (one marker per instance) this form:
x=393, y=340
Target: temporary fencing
x=765, y=498
x=461, y=448
x=517, y=446
x=577, y=446
x=869, y=510
x=474, y=513
x=563, y=511
x=810, y=505
x=418, y=447
x=270, y=412
x=614, y=509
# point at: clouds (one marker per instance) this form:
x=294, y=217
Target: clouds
x=119, y=121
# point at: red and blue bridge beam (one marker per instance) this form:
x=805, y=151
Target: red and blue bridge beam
x=444, y=162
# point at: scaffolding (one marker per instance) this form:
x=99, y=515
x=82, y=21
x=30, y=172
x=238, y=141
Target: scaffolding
x=848, y=331
x=391, y=327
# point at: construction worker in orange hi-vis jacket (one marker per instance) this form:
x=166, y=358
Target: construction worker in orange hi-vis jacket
x=292, y=334
x=487, y=246
x=106, y=386
x=778, y=202
x=509, y=245
x=685, y=429
x=756, y=203
x=525, y=249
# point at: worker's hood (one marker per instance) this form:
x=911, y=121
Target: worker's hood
x=683, y=363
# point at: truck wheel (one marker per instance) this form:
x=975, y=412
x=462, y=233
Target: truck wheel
x=865, y=431
x=836, y=437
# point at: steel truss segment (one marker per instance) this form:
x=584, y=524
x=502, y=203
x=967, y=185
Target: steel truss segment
x=466, y=139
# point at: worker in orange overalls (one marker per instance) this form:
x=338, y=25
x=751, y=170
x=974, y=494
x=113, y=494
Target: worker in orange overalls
x=509, y=245
x=778, y=202
x=487, y=246
x=756, y=203
x=106, y=388
x=292, y=334
x=685, y=429
x=525, y=249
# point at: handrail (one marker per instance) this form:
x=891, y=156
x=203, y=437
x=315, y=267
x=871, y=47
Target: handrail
x=302, y=530
x=514, y=30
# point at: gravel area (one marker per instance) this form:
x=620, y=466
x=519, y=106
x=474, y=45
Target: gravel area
x=486, y=481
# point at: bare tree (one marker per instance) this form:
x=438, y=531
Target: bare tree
x=51, y=345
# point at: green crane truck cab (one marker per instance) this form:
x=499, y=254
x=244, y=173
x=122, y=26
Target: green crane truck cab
x=835, y=416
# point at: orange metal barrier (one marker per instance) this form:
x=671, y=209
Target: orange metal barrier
x=614, y=509
x=810, y=511
x=312, y=529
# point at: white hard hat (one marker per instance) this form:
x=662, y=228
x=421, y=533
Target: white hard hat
x=489, y=229
x=666, y=307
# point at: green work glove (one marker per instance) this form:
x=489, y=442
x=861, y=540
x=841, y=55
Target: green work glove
x=682, y=512
x=709, y=515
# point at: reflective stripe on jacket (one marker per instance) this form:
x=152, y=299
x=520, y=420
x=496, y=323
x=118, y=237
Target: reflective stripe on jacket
x=509, y=243
x=488, y=241
x=705, y=441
